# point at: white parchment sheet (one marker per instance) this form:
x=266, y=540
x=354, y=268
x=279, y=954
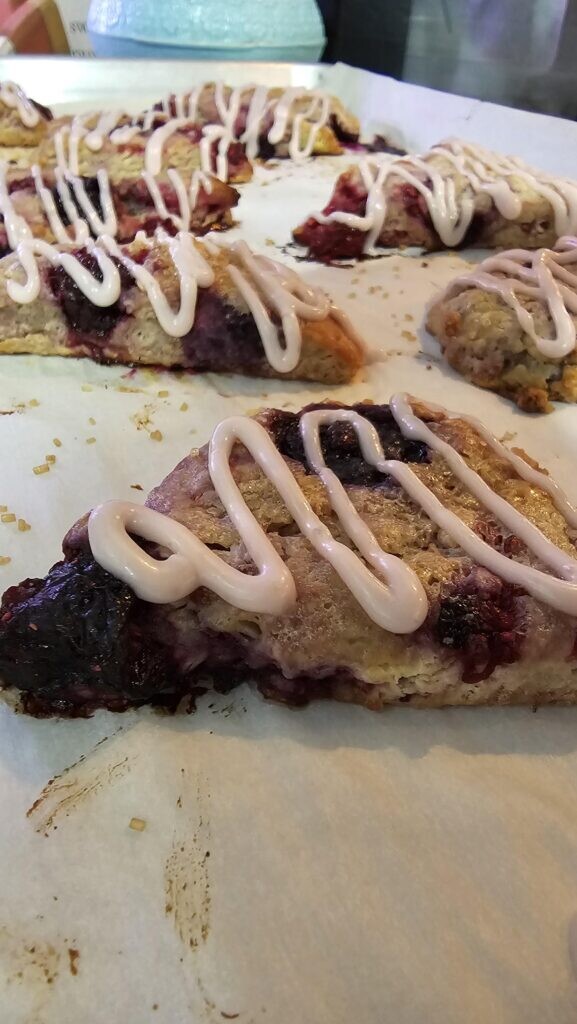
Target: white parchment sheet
x=320, y=866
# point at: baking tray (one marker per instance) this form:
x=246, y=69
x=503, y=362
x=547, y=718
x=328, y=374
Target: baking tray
x=321, y=865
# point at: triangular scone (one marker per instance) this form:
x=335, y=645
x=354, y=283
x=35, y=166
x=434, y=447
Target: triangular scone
x=178, y=303
x=58, y=208
x=125, y=150
x=510, y=325
x=448, y=606
x=273, y=122
x=456, y=194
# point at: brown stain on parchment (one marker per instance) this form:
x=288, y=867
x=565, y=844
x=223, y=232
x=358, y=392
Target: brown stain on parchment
x=73, y=957
x=187, y=885
x=35, y=965
x=73, y=787
x=186, y=875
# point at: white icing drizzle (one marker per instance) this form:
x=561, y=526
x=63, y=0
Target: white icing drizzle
x=392, y=595
x=68, y=138
x=212, y=133
x=79, y=226
x=262, y=105
x=106, y=124
x=193, y=271
x=266, y=286
x=287, y=295
x=451, y=215
x=106, y=225
x=273, y=590
x=257, y=108
x=155, y=143
x=320, y=105
x=187, y=199
x=11, y=95
x=547, y=276
x=69, y=185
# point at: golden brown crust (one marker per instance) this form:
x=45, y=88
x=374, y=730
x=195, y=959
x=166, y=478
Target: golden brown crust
x=409, y=223
x=483, y=641
x=341, y=120
x=133, y=205
x=482, y=339
x=126, y=160
x=15, y=134
x=328, y=627
x=329, y=354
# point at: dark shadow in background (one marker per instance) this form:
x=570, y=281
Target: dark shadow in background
x=374, y=34
x=371, y=34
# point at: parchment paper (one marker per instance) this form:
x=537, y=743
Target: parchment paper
x=323, y=866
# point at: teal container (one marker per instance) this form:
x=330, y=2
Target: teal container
x=252, y=30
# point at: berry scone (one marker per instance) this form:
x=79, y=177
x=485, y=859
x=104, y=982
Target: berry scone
x=455, y=195
x=373, y=554
x=293, y=122
x=171, y=301
x=23, y=121
x=510, y=325
x=61, y=207
x=84, y=144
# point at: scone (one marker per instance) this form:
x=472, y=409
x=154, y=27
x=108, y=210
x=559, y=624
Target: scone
x=174, y=302
x=85, y=143
x=23, y=121
x=510, y=325
x=293, y=122
x=455, y=195
x=63, y=208
x=373, y=554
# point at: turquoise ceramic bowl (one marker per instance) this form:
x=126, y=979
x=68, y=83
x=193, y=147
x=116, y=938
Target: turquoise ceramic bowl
x=207, y=29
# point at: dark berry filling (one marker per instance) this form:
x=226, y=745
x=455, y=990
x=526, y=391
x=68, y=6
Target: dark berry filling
x=340, y=444
x=92, y=189
x=266, y=150
x=236, y=157
x=44, y=111
x=380, y=144
x=413, y=202
x=222, y=339
x=335, y=241
x=193, y=132
x=477, y=230
x=327, y=242
x=80, y=639
x=88, y=323
x=480, y=619
x=23, y=184
x=340, y=132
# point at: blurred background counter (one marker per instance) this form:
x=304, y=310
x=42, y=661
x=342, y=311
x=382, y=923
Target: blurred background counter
x=516, y=52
